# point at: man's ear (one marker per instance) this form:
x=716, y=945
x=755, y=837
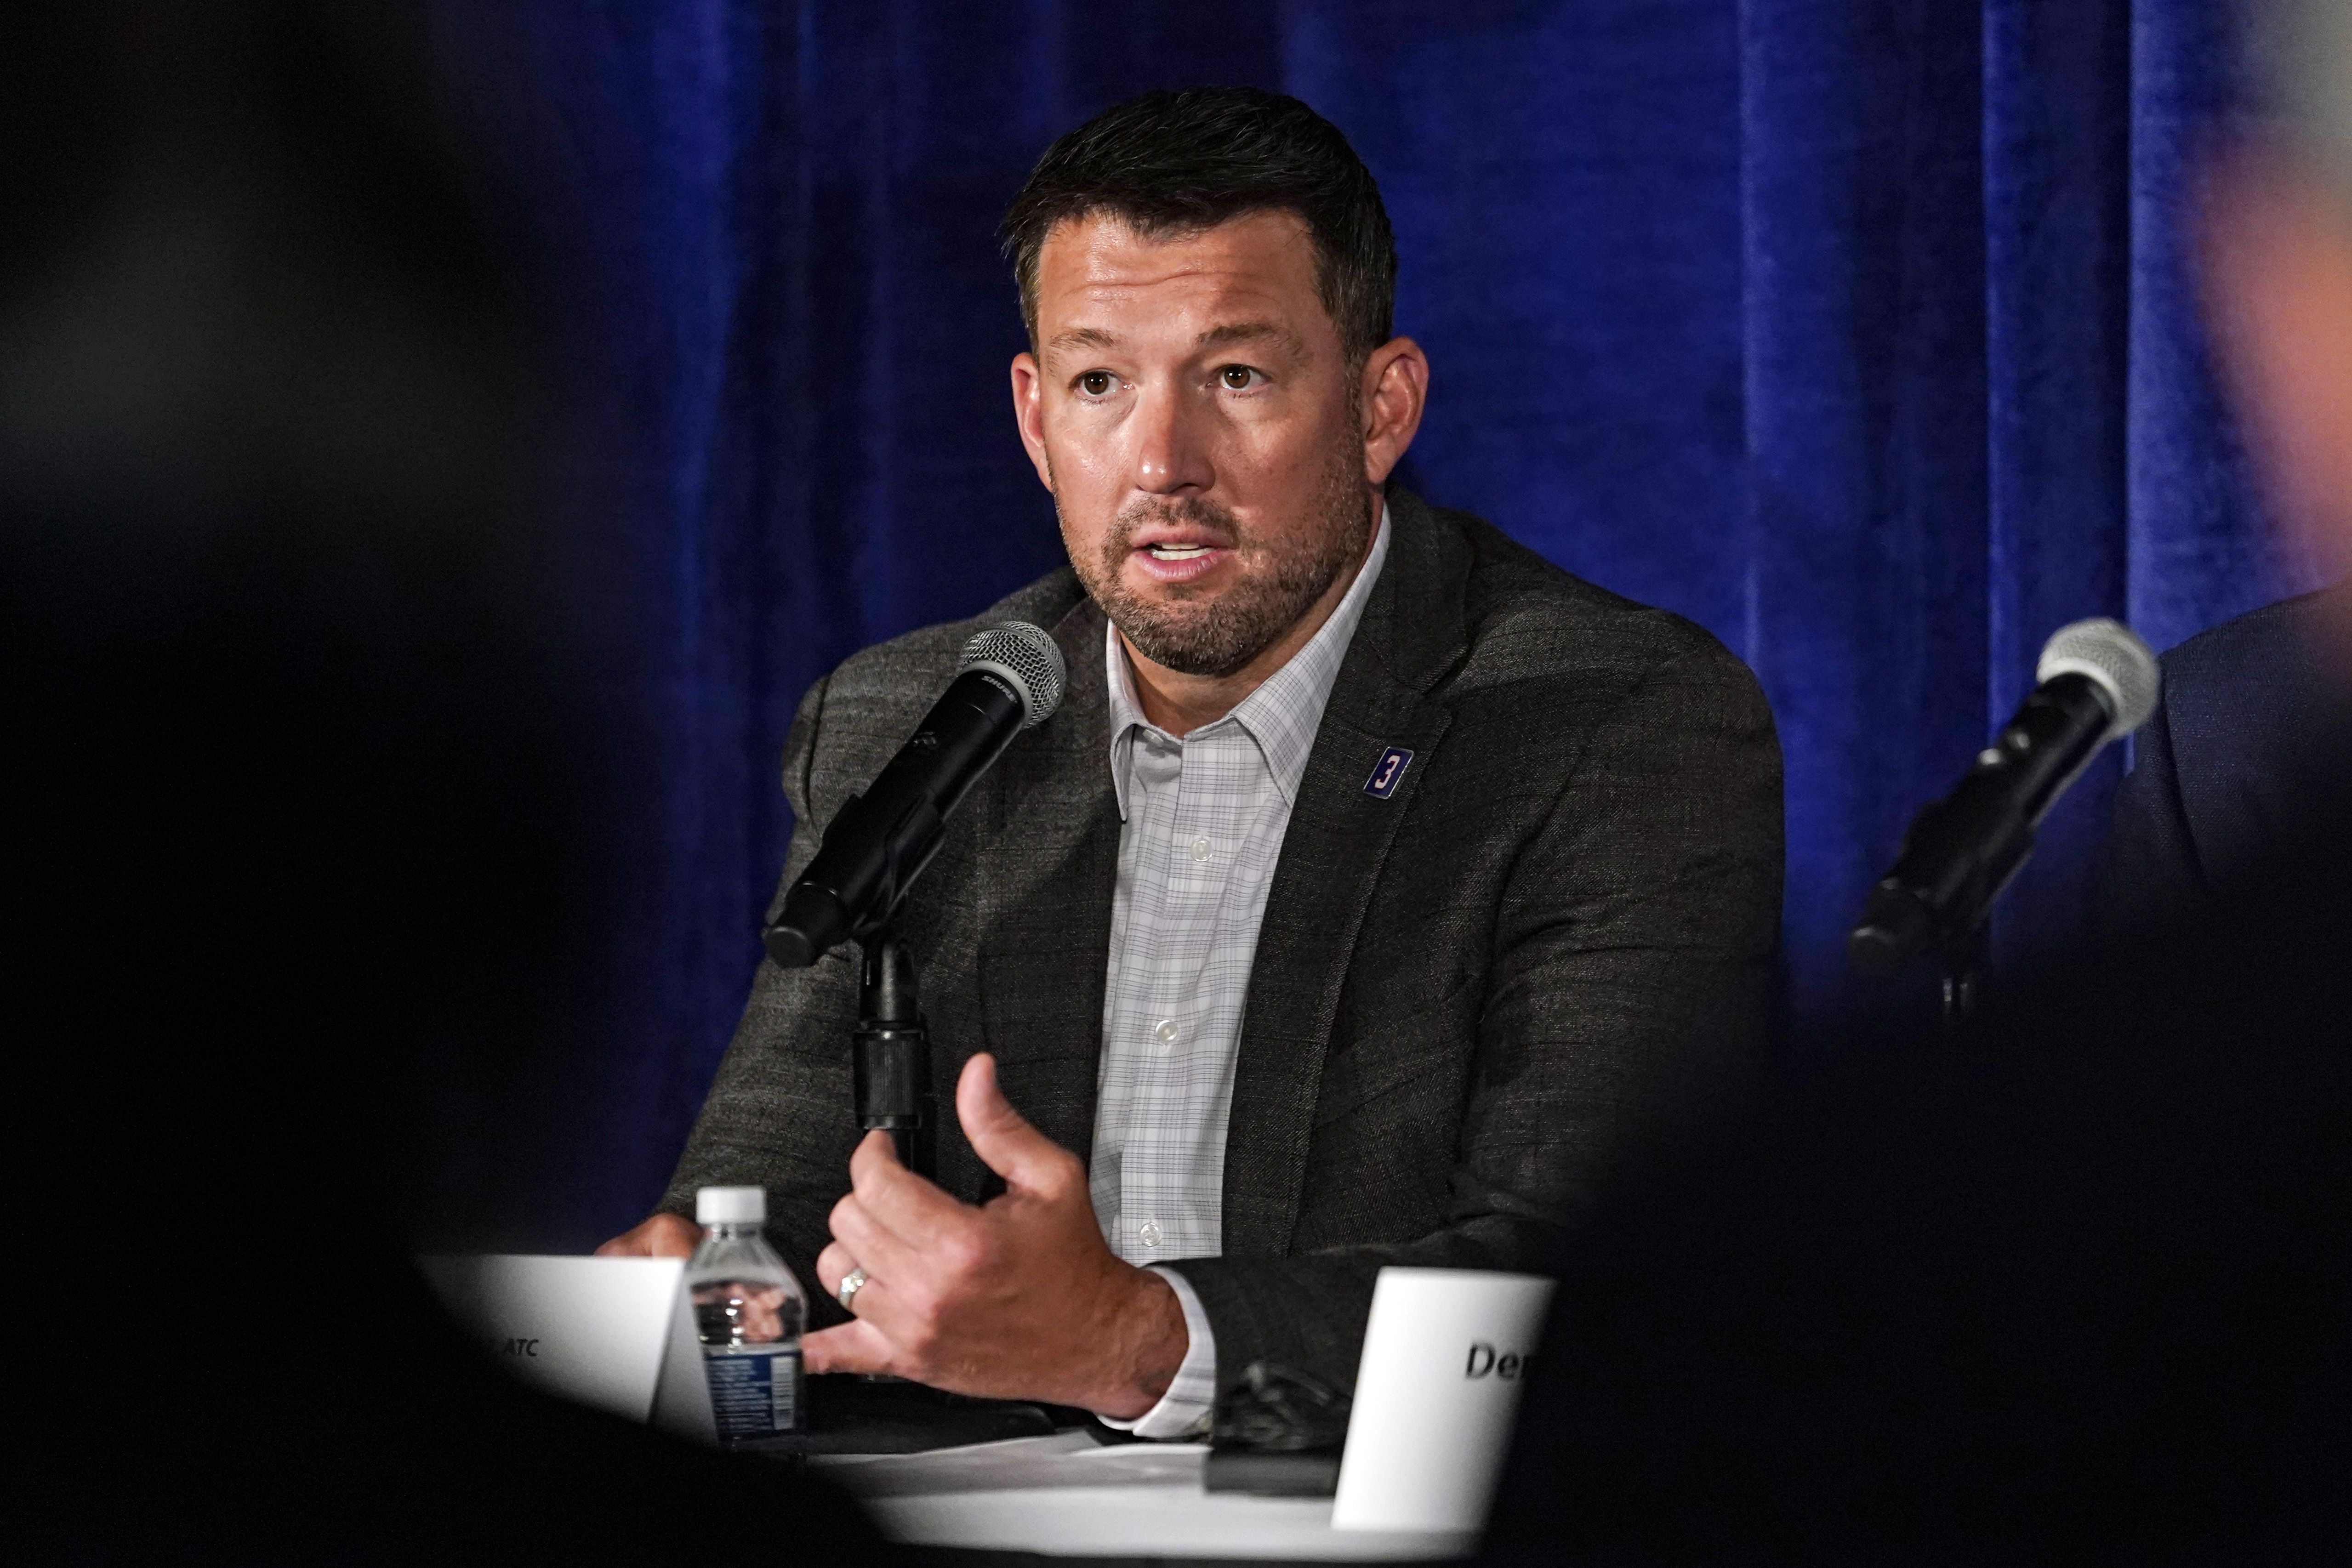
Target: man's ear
x=1396, y=387
x=1029, y=413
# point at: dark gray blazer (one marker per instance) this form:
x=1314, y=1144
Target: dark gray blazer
x=1474, y=1001
x=2224, y=776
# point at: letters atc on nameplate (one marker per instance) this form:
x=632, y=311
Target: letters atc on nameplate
x=1387, y=772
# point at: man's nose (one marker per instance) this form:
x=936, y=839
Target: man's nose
x=1171, y=456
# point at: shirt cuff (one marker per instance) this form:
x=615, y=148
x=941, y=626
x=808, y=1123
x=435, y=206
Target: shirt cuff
x=1183, y=1410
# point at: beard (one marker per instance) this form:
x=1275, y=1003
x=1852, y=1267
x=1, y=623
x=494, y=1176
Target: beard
x=1216, y=631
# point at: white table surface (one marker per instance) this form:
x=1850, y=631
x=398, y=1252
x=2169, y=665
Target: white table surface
x=1064, y=1496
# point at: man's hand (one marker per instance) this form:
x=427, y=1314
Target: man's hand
x=1018, y=1300
x=663, y=1236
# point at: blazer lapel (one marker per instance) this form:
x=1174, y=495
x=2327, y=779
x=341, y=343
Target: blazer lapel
x=1332, y=855
x=1047, y=897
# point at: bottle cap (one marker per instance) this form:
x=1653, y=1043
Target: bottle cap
x=730, y=1206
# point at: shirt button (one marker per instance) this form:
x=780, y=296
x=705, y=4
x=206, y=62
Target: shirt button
x=1200, y=848
x=1165, y=1031
x=1149, y=1233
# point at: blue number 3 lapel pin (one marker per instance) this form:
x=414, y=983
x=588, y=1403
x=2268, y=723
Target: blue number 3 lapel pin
x=1386, y=772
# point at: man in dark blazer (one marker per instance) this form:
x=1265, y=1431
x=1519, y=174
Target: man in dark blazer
x=2223, y=776
x=1500, y=851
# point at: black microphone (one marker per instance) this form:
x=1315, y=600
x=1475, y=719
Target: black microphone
x=2098, y=684
x=1008, y=678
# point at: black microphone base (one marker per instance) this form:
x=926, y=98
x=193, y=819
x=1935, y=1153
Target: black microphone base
x=848, y=1415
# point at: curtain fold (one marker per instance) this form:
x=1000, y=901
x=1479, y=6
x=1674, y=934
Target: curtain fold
x=1862, y=333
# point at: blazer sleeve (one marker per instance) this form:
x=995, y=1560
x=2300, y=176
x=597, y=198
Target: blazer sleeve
x=1625, y=1006
x=777, y=1113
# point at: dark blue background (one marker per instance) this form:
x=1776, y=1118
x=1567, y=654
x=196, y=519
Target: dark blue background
x=1862, y=333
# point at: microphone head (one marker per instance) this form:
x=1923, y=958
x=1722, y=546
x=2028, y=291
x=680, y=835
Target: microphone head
x=2112, y=655
x=1026, y=656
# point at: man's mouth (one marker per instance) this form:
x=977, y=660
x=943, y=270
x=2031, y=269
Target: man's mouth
x=1177, y=563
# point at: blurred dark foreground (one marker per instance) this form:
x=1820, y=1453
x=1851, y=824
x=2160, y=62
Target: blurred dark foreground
x=319, y=848
x=2073, y=1287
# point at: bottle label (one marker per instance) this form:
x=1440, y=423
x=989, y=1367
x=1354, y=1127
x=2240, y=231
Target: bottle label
x=755, y=1394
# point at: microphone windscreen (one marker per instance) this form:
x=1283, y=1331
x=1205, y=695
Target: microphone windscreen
x=2111, y=653
x=1027, y=655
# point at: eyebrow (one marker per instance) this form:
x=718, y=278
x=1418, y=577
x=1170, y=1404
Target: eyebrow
x=1083, y=337
x=1253, y=331
x=1231, y=332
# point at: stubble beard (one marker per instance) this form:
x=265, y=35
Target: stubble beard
x=1216, y=632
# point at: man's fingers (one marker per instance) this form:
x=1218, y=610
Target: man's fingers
x=832, y=1263
x=917, y=1212
x=873, y=1243
x=852, y=1347
x=1002, y=1138
x=663, y=1236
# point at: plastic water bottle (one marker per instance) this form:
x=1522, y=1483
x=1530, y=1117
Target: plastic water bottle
x=749, y=1310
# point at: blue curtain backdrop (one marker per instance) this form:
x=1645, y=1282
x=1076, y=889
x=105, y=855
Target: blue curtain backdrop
x=1862, y=333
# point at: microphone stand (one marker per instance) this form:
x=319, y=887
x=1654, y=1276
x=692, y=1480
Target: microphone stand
x=890, y=1063
x=1964, y=968
x=890, y=1053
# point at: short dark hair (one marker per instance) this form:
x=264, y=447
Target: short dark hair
x=1177, y=161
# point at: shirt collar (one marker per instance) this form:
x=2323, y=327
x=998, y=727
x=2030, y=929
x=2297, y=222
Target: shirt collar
x=1283, y=714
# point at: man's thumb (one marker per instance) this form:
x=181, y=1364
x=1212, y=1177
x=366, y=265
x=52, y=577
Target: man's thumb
x=1001, y=1137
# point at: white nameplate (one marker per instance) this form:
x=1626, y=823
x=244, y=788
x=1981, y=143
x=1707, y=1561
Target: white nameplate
x=1445, y=1351
x=616, y=1333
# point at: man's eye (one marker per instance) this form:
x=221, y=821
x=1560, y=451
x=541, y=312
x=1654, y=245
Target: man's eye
x=1239, y=378
x=1095, y=384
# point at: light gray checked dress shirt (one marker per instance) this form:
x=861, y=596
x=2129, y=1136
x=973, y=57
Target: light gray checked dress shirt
x=1203, y=819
